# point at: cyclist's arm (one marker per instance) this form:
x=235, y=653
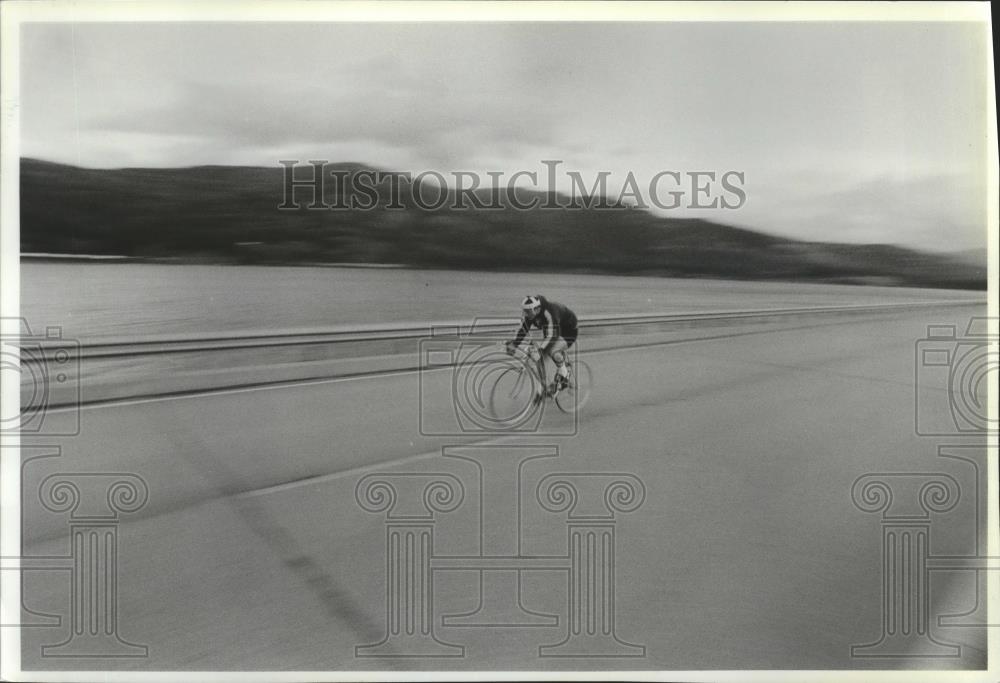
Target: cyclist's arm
x=521, y=332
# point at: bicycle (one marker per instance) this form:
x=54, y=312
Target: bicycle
x=527, y=371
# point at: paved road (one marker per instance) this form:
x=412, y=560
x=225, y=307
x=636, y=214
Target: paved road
x=747, y=551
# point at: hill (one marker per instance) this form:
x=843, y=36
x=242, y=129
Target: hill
x=230, y=214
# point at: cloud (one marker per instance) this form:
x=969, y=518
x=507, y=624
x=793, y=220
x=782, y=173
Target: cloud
x=442, y=117
x=937, y=211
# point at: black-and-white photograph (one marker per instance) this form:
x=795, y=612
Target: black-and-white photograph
x=558, y=340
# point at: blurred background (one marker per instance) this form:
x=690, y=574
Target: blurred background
x=859, y=145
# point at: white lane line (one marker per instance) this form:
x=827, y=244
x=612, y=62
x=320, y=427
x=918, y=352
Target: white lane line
x=293, y=383
x=464, y=324
x=364, y=469
x=282, y=384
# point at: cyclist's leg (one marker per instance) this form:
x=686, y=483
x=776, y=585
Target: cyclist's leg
x=557, y=352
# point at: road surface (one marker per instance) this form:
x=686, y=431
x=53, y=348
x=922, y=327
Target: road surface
x=747, y=551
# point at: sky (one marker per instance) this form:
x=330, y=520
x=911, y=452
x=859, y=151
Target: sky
x=844, y=132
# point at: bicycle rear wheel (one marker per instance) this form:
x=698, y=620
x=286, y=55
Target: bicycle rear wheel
x=577, y=393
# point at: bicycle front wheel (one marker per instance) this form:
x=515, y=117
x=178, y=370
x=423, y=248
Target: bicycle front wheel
x=512, y=396
x=577, y=392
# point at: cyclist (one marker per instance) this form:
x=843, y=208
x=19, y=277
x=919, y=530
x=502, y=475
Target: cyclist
x=558, y=326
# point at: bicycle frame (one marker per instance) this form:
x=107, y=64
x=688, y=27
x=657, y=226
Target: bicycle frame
x=534, y=370
x=538, y=366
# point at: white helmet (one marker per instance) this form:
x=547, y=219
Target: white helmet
x=530, y=303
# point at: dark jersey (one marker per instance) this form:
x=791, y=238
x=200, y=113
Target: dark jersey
x=554, y=320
